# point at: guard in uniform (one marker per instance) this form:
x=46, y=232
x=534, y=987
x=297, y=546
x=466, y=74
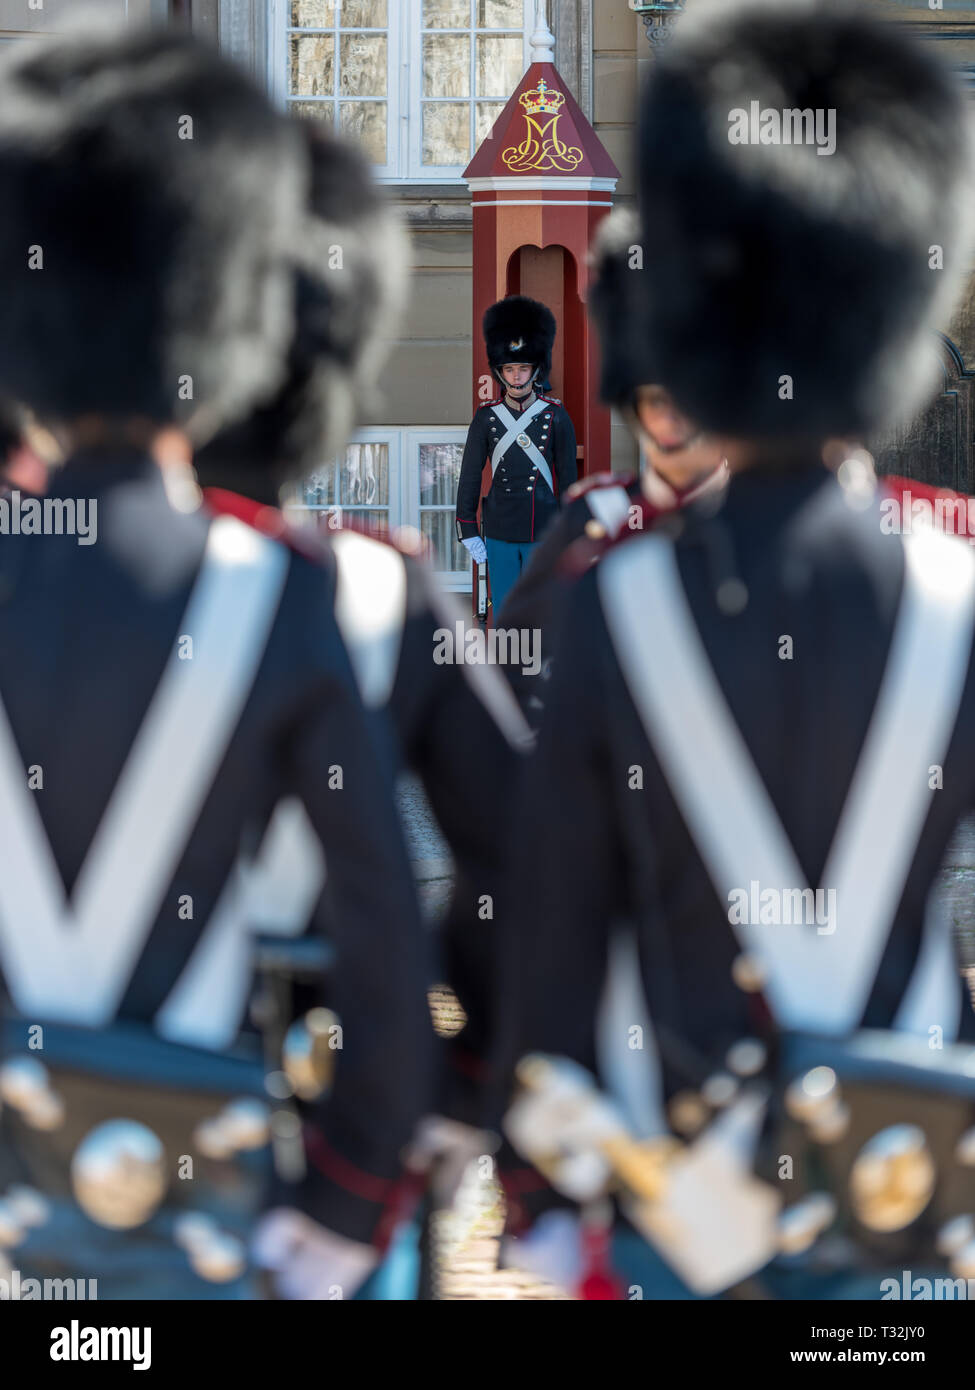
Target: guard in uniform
x=181, y=692
x=393, y=615
x=527, y=437
x=679, y=463
x=759, y=735
x=394, y=618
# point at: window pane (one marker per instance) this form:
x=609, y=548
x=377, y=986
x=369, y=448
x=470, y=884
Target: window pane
x=446, y=14
x=365, y=121
x=312, y=65
x=377, y=523
x=365, y=476
x=446, y=133
x=446, y=65
x=439, y=474
x=500, y=14
x=318, y=490
x=362, y=71
x=500, y=64
x=447, y=553
x=487, y=113
x=312, y=111
x=312, y=14
x=363, y=14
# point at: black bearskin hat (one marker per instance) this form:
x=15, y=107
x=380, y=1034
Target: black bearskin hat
x=519, y=329
x=148, y=192
x=776, y=291
x=348, y=288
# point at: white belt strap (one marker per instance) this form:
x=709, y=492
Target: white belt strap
x=816, y=981
x=274, y=895
x=610, y=506
x=515, y=429
x=74, y=961
x=371, y=609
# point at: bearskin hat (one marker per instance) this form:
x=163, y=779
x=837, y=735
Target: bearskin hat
x=788, y=290
x=348, y=287
x=519, y=329
x=148, y=192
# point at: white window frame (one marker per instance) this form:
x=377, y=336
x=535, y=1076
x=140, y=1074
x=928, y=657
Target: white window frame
x=413, y=437
x=404, y=134
x=403, y=443
x=381, y=435
x=278, y=69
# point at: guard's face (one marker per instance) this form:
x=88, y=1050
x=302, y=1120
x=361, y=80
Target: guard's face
x=660, y=419
x=517, y=374
x=673, y=444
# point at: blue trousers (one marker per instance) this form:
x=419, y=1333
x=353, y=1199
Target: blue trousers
x=506, y=560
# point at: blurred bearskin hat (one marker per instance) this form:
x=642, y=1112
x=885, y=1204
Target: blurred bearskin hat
x=158, y=189
x=519, y=329
x=350, y=263
x=759, y=262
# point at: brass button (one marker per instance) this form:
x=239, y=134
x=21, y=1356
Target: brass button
x=748, y=973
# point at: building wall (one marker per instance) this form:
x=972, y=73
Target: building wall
x=603, y=54
x=22, y=18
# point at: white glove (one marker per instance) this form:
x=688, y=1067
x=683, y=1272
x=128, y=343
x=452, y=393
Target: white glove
x=477, y=548
x=307, y=1260
x=552, y=1250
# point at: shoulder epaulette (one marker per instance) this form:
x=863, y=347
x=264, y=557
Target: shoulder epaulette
x=597, y=480
x=644, y=517
x=269, y=521
x=891, y=485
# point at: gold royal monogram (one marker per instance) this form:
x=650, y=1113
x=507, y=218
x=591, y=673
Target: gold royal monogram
x=542, y=150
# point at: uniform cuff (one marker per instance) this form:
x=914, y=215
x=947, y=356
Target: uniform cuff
x=467, y=530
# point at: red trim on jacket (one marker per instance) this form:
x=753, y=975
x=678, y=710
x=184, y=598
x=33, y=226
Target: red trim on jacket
x=337, y=1169
x=270, y=521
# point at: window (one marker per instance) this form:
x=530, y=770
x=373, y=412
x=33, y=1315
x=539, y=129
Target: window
x=388, y=478
x=418, y=82
x=435, y=457
x=360, y=487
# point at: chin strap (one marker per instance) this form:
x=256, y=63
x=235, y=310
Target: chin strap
x=507, y=390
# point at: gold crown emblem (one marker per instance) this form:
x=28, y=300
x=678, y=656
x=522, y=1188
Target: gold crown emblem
x=542, y=98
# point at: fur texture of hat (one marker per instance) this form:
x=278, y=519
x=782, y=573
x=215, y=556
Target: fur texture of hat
x=348, y=288
x=519, y=329
x=148, y=197
x=780, y=292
